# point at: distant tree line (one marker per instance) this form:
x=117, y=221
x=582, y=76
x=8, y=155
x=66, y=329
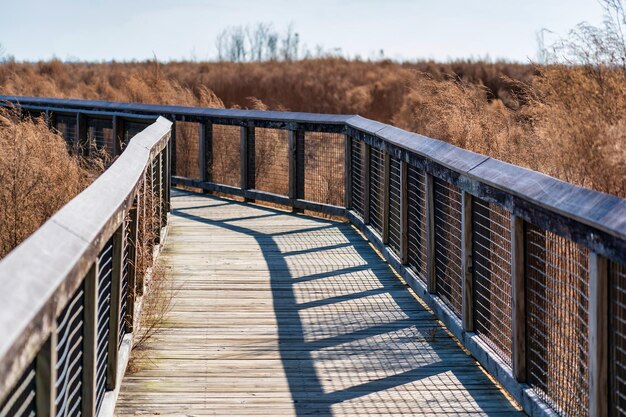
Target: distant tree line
x=259, y=42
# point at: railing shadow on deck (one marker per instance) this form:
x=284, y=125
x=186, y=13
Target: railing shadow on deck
x=416, y=346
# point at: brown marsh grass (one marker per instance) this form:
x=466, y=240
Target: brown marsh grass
x=564, y=120
x=38, y=176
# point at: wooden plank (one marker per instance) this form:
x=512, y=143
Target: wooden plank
x=114, y=311
x=45, y=377
x=282, y=314
x=90, y=341
x=518, y=280
x=598, y=336
x=431, y=278
x=466, y=262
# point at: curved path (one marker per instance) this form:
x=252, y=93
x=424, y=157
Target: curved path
x=281, y=314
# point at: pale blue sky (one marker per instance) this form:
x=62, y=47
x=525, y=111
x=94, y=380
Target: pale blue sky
x=404, y=29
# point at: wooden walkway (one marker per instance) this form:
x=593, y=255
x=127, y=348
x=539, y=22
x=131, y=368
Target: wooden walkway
x=278, y=314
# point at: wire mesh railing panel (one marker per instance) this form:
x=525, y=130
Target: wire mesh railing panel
x=557, y=292
x=324, y=158
x=416, y=216
x=448, y=232
x=20, y=401
x=271, y=160
x=187, y=149
x=377, y=173
x=226, y=155
x=617, y=326
x=491, y=246
x=69, y=366
x=66, y=126
x=100, y=133
x=105, y=269
x=356, y=161
x=131, y=129
x=395, y=188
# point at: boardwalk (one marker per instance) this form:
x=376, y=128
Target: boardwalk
x=280, y=314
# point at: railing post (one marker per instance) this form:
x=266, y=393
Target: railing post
x=142, y=227
x=173, y=145
x=132, y=264
x=466, y=262
x=247, y=159
x=205, y=159
x=45, y=377
x=157, y=196
x=117, y=133
x=598, y=335
x=164, y=189
x=518, y=282
x=431, y=279
x=386, y=174
x=404, y=213
x=81, y=134
x=366, y=181
x=347, y=169
x=114, y=311
x=296, y=167
x=300, y=164
x=90, y=340
x=293, y=157
x=168, y=181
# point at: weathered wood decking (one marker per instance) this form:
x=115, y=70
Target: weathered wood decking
x=280, y=314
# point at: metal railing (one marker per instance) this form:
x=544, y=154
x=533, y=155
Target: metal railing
x=525, y=270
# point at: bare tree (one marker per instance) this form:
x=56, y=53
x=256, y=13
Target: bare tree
x=290, y=45
x=259, y=42
x=597, y=45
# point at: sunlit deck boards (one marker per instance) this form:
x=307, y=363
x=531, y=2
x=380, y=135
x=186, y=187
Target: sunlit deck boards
x=279, y=314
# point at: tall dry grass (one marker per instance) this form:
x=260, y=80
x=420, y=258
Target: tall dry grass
x=38, y=175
